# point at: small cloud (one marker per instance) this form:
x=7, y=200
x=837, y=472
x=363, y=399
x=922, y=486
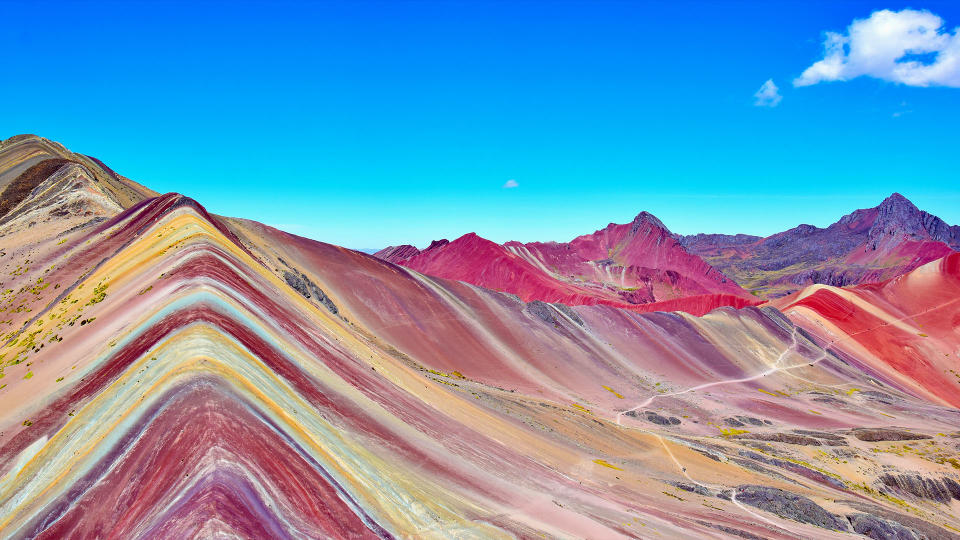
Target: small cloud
x=511, y=183
x=910, y=47
x=768, y=95
x=903, y=110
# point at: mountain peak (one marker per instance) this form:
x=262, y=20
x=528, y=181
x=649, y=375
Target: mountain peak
x=470, y=236
x=440, y=243
x=896, y=200
x=18, y=138
x=647, y=217
x=896, y=215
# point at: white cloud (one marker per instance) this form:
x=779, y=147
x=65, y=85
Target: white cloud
x=909, y=47
x=903, y=110
x=511, y=184
x=768, y=95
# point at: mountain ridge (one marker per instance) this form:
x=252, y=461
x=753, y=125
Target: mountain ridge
x=626, y=265
x=864, y=246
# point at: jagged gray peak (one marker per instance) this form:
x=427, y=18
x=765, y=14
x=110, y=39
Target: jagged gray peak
x=896, y=215
x=647, y=217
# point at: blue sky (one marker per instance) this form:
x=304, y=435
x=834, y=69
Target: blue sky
x=367, y=123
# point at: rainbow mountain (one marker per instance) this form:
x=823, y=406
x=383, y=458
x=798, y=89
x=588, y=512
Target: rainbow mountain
x=168, y=373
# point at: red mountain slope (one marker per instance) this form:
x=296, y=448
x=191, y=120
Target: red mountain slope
x=904, y=331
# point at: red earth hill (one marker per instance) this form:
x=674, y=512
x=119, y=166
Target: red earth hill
x=904, y=331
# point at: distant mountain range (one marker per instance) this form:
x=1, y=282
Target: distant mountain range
x=637, y=265
x=865, y=246
x=642, y=262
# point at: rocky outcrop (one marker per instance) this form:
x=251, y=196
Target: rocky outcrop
x=308, y=289
x=545, y=312
x=879, y=397
x=882, y=529
x=655, y=418
x=542, y=311
x=887, y=434
x=788, y=438
x=741, y=421
x=918, y=486
x=22, y=185
x=923, y=529
x=831, y=439
x=569, y=312
x=952, y=486
x=795, y=468
x=790, y=506
x=693, y=488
